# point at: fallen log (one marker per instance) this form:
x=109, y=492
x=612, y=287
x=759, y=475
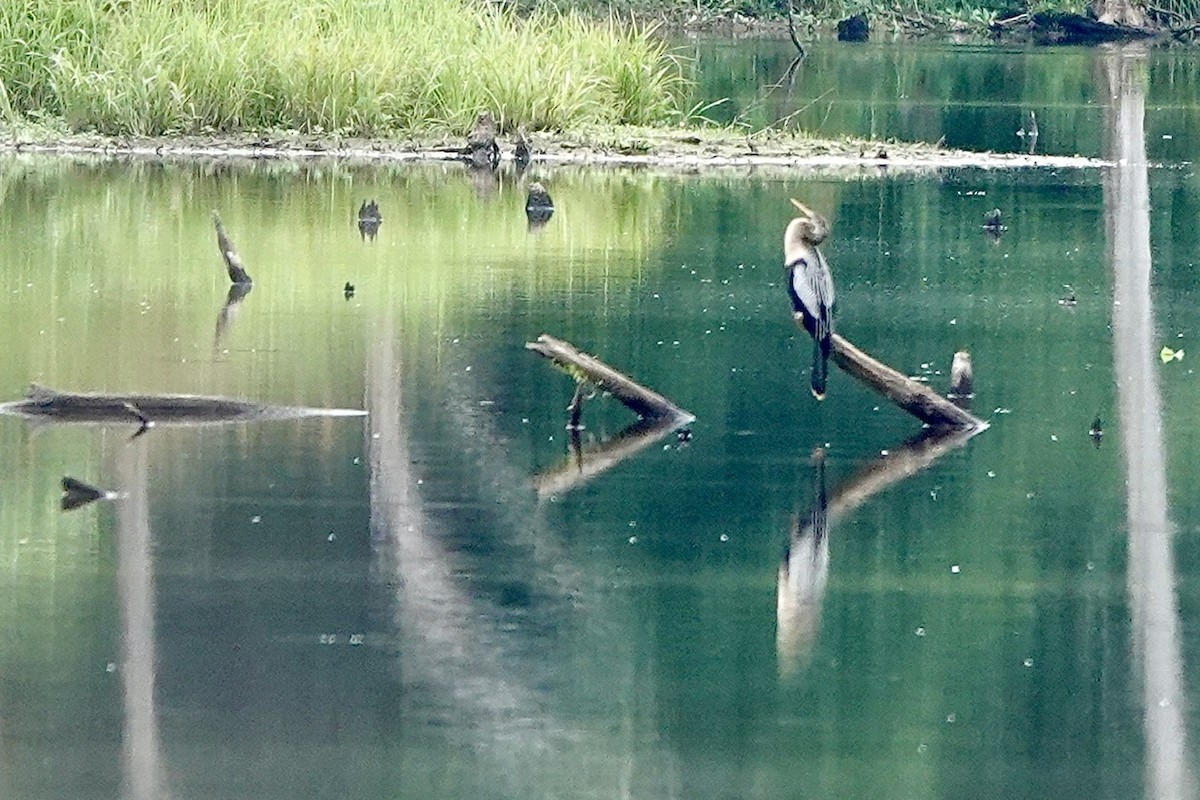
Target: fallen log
x=910, y=395
x=644, y=402
x=41, y=403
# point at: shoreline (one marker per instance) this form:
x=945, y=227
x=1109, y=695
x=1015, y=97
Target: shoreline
x=678, y=150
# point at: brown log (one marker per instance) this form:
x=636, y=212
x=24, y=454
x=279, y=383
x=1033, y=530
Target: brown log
x=912, y=396
x=644, y=402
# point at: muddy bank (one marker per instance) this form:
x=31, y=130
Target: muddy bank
x=686, y=150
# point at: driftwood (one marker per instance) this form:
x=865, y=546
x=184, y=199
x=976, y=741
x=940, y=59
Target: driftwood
x=910, y=395
x=1055, y=27
x=644, y=402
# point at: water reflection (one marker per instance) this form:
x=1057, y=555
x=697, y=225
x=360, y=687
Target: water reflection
x=233, y=300
x=800, y=588
x=141, y=749
x=1151, y=570
x=448, y=645
x=800, y=584
x=585, y=462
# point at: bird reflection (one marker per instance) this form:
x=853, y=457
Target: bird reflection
x=77, y=494
x=802, y=577
x=369, y=220
x=237, y=293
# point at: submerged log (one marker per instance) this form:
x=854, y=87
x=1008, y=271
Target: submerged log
x=41, y=403
x=912, y=396
x=644, y=402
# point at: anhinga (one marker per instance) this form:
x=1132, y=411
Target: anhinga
x=810, y=286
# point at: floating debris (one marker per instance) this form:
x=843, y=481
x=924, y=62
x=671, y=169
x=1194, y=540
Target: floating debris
x=1168, y=355
x=348, y=290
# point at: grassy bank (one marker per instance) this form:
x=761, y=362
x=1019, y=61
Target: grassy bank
x=345, y=67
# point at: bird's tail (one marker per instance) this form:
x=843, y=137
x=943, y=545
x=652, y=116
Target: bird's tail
x=820, y=368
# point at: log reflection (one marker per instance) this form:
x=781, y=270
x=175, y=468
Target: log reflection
x=1151, y=577
x=237, y=293
x=585, y=462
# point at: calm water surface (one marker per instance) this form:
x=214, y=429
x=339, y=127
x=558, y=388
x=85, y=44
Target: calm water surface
x=432, y=602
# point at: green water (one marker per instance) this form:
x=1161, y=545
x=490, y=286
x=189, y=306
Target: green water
x=379, y=608
x=975, y=98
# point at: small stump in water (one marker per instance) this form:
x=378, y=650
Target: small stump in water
x=538, y=206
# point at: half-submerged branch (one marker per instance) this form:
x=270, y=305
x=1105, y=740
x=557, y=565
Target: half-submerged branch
x=912, y=396
x=233, y=262
x=644, y=402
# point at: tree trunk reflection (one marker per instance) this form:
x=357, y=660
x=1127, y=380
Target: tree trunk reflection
x=1151, y=574
x=141, y=749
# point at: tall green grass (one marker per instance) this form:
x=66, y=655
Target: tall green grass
x=350, y=67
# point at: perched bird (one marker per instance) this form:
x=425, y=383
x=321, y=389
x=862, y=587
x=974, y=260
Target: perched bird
x=482, y=150
x=233, y=262
x=962, y=377
x=810, y=286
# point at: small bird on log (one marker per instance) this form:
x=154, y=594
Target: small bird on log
x=810, y=286
x=233, y=262
x=482, y=150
